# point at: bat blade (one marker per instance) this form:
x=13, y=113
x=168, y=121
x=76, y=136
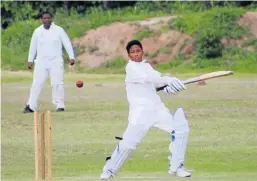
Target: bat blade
x=206, y=76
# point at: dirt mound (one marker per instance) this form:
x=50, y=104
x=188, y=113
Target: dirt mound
x=249, y=19
x=108, y=42
x=167, y=46
x=104, y=43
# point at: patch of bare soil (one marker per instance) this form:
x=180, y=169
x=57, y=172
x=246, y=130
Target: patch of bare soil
x=173, y=41
x=104, y=43
x=249, y=19
x=108, y=42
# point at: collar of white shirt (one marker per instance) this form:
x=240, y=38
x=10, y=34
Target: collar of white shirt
x=51, y=26
x=143, y=61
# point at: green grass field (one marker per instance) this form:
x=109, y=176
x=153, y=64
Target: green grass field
x=222, y=143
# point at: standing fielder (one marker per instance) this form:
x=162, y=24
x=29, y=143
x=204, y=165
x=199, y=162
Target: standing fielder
x=146, y=110
x=46, y=42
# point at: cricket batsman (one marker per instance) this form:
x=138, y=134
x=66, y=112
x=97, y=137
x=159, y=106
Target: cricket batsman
x=146, y=110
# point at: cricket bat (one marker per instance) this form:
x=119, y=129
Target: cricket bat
x=206, y=76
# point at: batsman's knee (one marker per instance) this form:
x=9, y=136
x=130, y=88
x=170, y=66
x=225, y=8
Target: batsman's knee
x=180, y=121
x=128, y=142
x=132, y=142
x=127, y=145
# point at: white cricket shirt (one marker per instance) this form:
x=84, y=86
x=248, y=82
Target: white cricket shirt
x=141, y=82
x=48, y=43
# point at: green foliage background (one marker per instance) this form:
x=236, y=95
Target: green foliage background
x=208, y=22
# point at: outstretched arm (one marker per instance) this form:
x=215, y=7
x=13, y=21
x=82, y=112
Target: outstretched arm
x=67, y=44
x=136, y=75
x=32, y=50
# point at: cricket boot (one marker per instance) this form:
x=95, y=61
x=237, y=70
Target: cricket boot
x=27, y=109
x=180, y=172
x=106, y=175
x=60, y=110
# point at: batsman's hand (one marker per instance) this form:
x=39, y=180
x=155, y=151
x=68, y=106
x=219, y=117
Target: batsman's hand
x=168, y=90
x=174, y=85
x=30, y=65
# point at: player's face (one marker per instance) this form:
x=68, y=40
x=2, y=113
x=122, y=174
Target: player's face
x=47, y=20
x=136, y=53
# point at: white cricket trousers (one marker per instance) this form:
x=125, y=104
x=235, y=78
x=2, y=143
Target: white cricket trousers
x=44, y=67
x=141, y=121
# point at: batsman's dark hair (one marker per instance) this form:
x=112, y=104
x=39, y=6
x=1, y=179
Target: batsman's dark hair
x=133, y=42
x=46, y=12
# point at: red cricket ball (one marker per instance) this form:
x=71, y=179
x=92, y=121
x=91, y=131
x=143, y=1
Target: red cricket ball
x=79, y=83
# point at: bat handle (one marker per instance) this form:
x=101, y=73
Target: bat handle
x=160, y=88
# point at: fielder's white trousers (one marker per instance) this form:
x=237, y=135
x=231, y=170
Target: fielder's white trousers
x=44, y=67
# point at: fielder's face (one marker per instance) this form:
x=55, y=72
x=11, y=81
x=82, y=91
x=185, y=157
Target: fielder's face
x=47, y=20
x=136, y=53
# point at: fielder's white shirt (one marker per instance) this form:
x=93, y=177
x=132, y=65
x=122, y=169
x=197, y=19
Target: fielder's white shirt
x=141, y=82
x=48, y=43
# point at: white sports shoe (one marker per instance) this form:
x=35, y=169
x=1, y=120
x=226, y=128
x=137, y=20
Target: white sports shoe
x=106, y=175
x=181, y=172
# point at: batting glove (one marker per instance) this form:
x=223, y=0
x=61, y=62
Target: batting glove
x=168, y=90
x=174, y=85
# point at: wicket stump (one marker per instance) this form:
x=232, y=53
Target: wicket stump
x=49, y=144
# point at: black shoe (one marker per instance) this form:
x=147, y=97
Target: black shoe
x=60, y=110
x=27, y=109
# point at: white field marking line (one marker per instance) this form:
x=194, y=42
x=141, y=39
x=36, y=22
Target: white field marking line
x=119, y=178
x=149, y=177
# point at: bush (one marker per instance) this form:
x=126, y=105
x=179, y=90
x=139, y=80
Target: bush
x=233, y=58
x=209, y=27
x=208, y=44
x=15, y=44
x=240, y=60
